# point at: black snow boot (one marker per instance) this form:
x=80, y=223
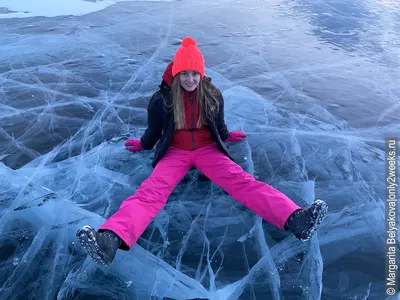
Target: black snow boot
x=305, y=222
x=101, y=246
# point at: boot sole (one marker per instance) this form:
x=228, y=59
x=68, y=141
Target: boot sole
x=320, y=209
x=87, y=238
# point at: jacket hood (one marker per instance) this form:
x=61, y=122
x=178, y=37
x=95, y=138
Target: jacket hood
x=167, y=76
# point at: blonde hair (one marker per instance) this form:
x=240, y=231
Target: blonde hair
x=207, y=100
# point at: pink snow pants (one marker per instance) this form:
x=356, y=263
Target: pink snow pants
x=137, y=211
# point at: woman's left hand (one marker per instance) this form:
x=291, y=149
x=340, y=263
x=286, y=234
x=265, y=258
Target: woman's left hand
x=235, y=136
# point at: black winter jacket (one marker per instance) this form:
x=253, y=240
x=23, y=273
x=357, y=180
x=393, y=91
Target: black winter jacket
x=160, y=120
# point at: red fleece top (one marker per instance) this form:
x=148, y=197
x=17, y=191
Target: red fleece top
x=191, y=138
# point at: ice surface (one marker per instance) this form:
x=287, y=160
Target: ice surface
x=314, y=85
x=49, y=8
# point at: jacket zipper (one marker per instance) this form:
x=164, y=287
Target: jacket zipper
x=192, y=121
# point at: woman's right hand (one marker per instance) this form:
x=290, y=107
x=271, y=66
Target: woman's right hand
x=134, y=145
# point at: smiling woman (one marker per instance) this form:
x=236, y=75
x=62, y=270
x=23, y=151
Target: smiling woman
x=192, y=134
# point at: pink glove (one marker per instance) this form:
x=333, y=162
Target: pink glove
x=236, y=136
x=135, y=145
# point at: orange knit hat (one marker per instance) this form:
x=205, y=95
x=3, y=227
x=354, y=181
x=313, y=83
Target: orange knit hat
x=188, y=57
